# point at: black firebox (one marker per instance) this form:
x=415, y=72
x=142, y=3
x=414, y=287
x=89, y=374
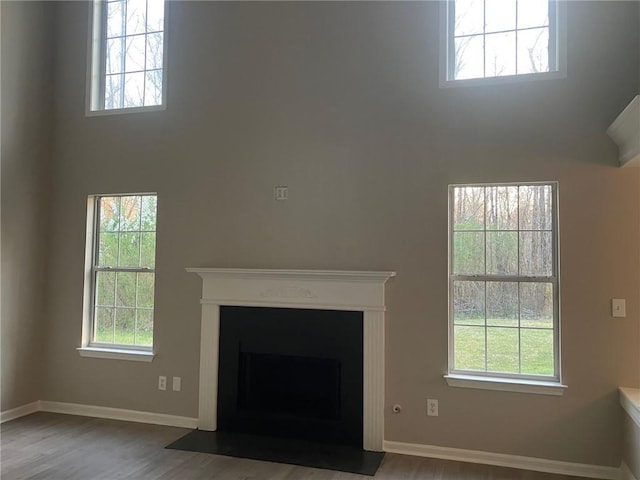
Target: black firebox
x=293, y=373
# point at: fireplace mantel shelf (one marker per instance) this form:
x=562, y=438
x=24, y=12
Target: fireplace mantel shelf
x=316, y=289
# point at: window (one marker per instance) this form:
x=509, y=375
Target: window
x=121, y=275
x=503, y=281
x=127, y=69
x=498, y=38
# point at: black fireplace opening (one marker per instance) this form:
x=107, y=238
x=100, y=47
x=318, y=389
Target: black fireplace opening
x=294, y=373
x=305, y=387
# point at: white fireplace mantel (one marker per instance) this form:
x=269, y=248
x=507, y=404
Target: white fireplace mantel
x=318, y=289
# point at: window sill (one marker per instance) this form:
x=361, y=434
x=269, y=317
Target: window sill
x=124, y=111
x=117, y=354
x=505, y=384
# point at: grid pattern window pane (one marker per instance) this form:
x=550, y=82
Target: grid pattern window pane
x=503, y=280
x=493, y=38
x=124, y=270
x=133, y=57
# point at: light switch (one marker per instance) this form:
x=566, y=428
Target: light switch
x=282, y=192
x=618, y=307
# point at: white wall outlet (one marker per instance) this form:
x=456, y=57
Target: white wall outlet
x=432, y=407
x=618, y=307
x=162, y=382
x=282, y=192
x=177, y=384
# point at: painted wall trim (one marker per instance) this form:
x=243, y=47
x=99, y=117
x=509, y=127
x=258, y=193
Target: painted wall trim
x=119, y=414
x=630, y=401
x=99, y=412
x=503, y=460
x=20, y=411
x=625, y=473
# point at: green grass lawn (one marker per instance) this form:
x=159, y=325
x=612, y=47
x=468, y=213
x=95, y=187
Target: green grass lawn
x=124, y=337
x=532, y=353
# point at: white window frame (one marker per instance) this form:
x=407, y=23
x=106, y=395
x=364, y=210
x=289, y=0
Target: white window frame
x=524, y=383
x=88, y=347
x=557, y=59
x=96, y=65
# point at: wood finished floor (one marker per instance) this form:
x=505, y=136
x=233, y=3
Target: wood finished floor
x=65, y=447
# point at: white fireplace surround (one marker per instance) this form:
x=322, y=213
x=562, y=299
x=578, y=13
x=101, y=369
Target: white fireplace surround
x=319, y=289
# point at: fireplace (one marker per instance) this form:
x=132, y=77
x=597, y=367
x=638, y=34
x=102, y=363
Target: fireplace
x=291, y=297
x=291, y=372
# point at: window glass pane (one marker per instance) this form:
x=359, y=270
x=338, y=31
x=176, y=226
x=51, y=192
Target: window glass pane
x=114, y=56
x=469, y=58
x=469, y=348
x=155, y=15
x=469, y=17
x=144, y=332
x=130, y=213
x=133, y=90
x=468, y=208
x=103, y=331
x=148, y=250
x=533, y=13
x=500, y=15
x=537, y=352
x=502, y=304
x=500, y=54
x=468, y=253
x=135, y=53
x=502, y=350
x=115, y=19
x=145, y=289
x=136, y=16
x=502, y=253
x=533, y=50
x=126, y=289
x=154, y=51
x=109, y=214
x=536, y=207
x=108, y=250
x=468, y=303
x=149, y=208
x=113, y=91
x=125, y=325
x=502, y=208
x=129, y=250
x=153, y=88
x=536, y=305
x=105, y=288
x=536, y=254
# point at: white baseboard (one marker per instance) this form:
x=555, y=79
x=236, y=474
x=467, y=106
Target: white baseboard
x=21, y=411
x=119, y=414
x=502, y=460
x=99, y=412
x=625, y=473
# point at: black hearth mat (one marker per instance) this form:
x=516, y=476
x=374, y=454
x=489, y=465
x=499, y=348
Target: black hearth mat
x=282, y=450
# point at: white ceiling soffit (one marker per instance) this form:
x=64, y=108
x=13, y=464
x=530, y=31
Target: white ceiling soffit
x=625, y=131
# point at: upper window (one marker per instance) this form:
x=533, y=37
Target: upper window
x=123, y=271
x=503, y=281
x=498, y=38
x=128, y=54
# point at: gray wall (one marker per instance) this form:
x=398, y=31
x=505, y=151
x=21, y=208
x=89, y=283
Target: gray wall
x=340, y=101
x=26, y=152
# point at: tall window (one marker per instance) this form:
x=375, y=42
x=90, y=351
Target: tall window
x=503, y=280
x=128, y=54
x=123, y=271
x=496, y=38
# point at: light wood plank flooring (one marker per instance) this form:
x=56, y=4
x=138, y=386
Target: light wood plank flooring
x=66, y=447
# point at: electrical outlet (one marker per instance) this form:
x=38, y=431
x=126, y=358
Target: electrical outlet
x=281, y=192
x=177, y=384
x=432, y=407
x=162, y=382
